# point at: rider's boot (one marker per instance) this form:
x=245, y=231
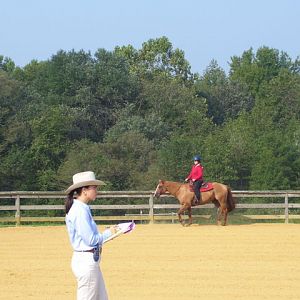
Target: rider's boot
x=197, y=198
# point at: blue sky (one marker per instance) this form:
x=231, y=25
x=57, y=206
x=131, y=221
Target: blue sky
x=204, y=30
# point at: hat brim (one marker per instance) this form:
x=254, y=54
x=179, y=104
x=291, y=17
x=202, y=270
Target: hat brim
x=83, y=183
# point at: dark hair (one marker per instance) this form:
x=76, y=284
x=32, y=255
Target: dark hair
x=70, y=197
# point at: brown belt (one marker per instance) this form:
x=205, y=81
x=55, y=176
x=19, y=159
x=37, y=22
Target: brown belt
x=91, y=250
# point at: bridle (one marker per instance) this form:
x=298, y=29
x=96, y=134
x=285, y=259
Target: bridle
x=157, y=192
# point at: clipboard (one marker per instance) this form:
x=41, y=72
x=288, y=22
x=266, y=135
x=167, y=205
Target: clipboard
x=124, y=228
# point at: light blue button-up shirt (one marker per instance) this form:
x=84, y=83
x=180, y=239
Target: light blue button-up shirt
x=82, y=229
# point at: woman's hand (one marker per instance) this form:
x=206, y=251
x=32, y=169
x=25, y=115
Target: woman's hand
x=114, y=229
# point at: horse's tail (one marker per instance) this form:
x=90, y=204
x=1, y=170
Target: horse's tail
x=230, y=200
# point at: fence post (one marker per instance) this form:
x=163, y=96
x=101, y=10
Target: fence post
x=151, y=209
x=18, y=211
x=286, y=209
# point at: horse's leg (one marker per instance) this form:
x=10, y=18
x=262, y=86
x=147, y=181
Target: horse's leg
x=222, y=193
x=225, y=213
x=222, y=211
x=180, y=212
x=179, y=216
x=190, y=216
x=219, y=214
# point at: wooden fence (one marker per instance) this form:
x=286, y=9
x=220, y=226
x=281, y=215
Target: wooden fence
x=150, y=206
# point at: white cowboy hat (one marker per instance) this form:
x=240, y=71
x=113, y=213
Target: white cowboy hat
x=83, y=179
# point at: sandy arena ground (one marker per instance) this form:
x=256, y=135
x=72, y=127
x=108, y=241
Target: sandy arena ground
x=159, y=262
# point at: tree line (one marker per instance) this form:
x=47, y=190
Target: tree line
x=134, y=116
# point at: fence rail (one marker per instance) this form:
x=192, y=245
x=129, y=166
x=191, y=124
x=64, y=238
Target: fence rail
x=150, y=206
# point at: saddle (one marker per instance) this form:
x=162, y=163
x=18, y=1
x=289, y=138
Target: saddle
x=205, y=187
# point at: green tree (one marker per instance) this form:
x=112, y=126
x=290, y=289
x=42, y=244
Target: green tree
x=129, y=158
x=175, y=157
x=157, y=56
x=277, y=162
x=7, y=64
x=83, y=155
x=275, y=121
x=281, y=99
x=50, y=142
x=16, y=170
x=11, y=99
x=255, y=69
x=225, y=98
x=150, y=125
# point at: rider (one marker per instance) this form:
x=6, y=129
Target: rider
x=196, y=176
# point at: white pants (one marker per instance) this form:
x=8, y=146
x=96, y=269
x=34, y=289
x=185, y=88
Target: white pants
x=90, y=283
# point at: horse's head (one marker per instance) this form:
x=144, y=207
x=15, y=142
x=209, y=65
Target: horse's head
x=160, y=189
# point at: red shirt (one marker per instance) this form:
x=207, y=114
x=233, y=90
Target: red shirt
x=196, y=173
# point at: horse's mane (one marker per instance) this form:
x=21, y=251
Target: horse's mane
x=172, y=186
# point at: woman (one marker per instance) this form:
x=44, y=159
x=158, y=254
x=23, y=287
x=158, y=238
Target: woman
x=85, y=238
x=196, y=176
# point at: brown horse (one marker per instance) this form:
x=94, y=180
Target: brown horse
x=220, y=195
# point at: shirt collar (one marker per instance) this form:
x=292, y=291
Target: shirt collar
x=80, y=203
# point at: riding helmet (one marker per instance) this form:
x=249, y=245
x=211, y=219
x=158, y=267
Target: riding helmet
x=197, y=157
